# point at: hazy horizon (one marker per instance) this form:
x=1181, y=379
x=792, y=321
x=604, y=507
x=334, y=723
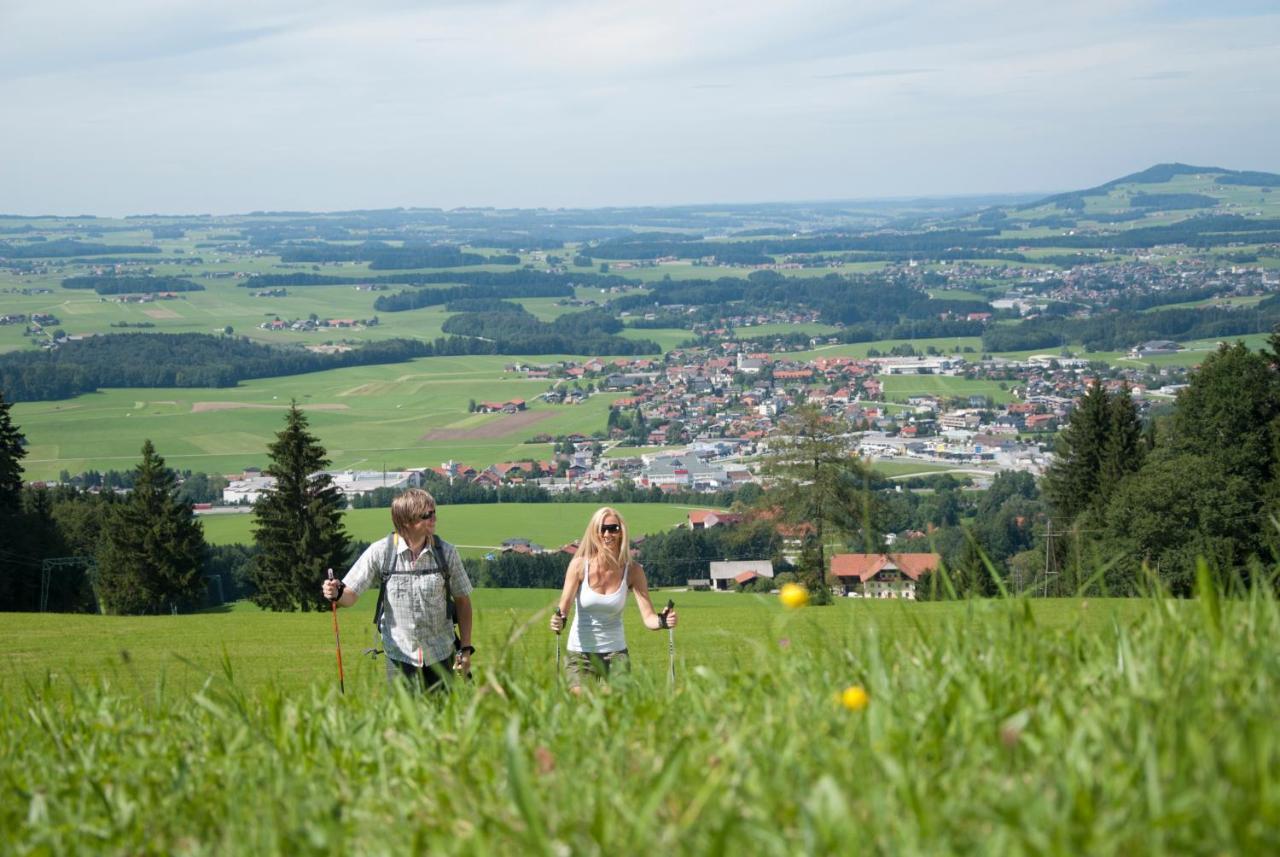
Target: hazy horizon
x=886, y=201
x=283, y=105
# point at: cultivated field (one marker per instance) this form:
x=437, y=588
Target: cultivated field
x=1009, y=727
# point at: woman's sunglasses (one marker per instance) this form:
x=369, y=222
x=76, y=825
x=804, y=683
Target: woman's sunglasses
x=427, y=516
x=611, y=528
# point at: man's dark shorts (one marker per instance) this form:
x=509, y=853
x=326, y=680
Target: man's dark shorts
x=430, y=677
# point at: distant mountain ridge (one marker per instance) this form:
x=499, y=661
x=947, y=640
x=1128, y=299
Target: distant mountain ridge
x=1161, y=174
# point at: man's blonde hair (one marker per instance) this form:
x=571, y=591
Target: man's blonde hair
x=409, y=506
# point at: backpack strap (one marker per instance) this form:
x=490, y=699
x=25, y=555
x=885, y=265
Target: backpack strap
x=388, y=569
x=388, y=566
x=450, y=612
x=437, y=550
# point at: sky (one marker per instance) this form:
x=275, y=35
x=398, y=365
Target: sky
x=230, y=106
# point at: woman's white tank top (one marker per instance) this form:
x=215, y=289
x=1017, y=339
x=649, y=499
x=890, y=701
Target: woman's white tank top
x=597, y=619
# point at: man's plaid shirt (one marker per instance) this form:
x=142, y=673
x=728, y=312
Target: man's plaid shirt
x=415, y=627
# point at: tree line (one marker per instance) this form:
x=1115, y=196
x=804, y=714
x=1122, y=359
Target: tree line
x=839, y=299
x=1206, y=231
x=419, y=298
x=1121, y=330
x=494, y=281
x=1202, y=485
x=1172, y=201
x=762, y=250
x=67, y=247
x=120, y=284
x=509, y=332
x=383, y=256
x=176, y=360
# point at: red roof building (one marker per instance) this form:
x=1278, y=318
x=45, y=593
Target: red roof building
x=871, y=575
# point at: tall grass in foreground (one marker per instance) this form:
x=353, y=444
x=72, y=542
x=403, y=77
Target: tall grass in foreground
x=985, y=732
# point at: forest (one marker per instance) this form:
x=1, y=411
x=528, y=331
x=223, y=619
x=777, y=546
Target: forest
x=518, y=332
x=65, y=248
x=382, y=256
x=555, y=285
x=839, y=299
x=1120, y=331
x=121, y=285
x=174, y=360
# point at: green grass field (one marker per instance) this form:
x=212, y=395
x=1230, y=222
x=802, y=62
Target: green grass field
x=946, y=345
x=912, y=468
x=899, y=388
x=1009, y=727
x=478, y=528
x=761, y=330
x=956, y=295
x=1193, y=353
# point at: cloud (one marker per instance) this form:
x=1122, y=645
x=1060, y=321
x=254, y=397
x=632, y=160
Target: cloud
x=881, y=72
x=190, y=105
x=1164, y=75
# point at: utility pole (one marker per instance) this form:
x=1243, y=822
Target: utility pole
x=47, y=566
x=1050, y=563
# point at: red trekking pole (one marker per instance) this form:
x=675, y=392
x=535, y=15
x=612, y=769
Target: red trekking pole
x=337, y=641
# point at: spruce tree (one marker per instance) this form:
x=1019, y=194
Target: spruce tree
x=152, y=547
x=969, y=573
x=11, y=455
x=1125, y=447
x=1072, y=481
x=13, y=569
x=298, y=524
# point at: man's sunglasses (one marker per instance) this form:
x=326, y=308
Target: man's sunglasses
x=428, y=516
x=611, y=528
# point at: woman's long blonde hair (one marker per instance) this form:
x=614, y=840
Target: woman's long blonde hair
x=592, y=545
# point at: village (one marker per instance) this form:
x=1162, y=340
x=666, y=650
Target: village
x=700, y=420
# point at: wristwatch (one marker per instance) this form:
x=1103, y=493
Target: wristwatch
x=467, y=650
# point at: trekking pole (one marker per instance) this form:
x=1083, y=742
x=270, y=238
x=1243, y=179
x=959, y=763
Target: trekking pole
x=671, y=648
x=561, y=615
x=337, y=641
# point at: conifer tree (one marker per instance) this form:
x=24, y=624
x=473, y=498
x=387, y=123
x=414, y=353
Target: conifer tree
x=1229, y=411
x=969, y=573
x=297, y=524
x=816, y=480
x=1125, y=446
x=152, y=546
x=11, y=455
x=1072, y=482
x=12, y=569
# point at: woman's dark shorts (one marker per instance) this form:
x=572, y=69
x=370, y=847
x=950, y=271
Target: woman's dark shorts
x=596, y=664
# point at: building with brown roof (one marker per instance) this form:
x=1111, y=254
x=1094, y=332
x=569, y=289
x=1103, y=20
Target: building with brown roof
x=880, y=575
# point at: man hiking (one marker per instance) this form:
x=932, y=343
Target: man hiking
x=417, y=573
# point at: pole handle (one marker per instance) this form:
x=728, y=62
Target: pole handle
x=334, y=600
x=561, y=615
